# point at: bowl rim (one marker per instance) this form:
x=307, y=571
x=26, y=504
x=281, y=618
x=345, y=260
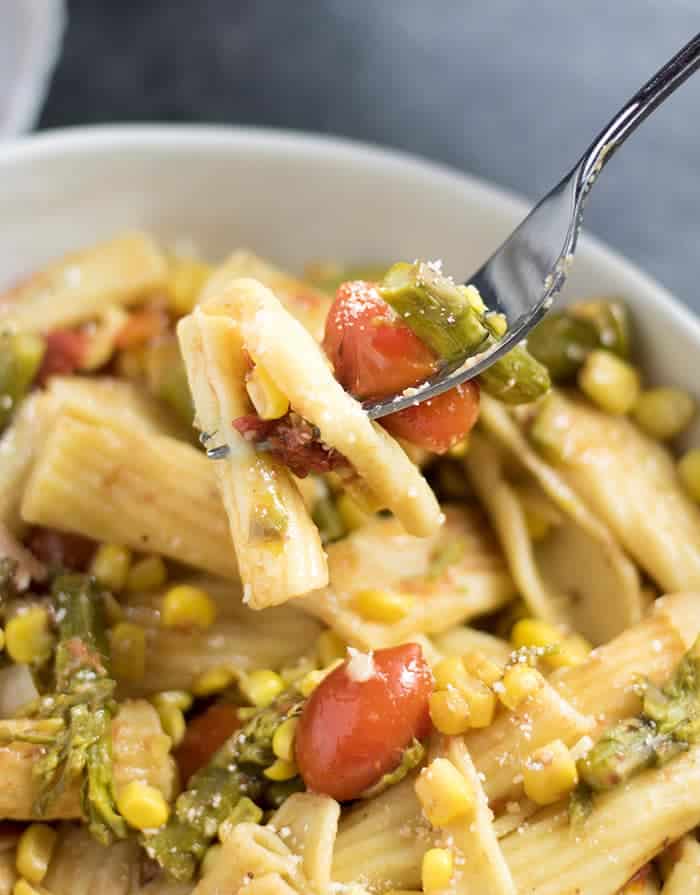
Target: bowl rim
x=104, y=139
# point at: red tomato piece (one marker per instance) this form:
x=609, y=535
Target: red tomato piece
x=61, y=548
x=438, y=423
x=65, y=350
x=373, y=353
x=352, y=732
x=204, y=735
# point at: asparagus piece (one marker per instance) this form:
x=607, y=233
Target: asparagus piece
x=452, y=319
x=20, y=358
x=234, y=772
x=83, y=698
x=611, y=321
x=412, y=756
x=668, y=724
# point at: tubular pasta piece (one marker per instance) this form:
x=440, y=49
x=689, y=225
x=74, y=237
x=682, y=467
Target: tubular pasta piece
x=310, y=825
x=80, y=865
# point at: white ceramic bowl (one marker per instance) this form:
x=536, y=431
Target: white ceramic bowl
x=294, y=197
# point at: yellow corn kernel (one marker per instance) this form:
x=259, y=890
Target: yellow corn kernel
x=185, y=282
x=128, y=651
x=483, y=668
x=571, y=651
x=549, y=773
x=664, y=413
x=530, y=632
x=519, y=683
x=142, y=806
x=2, y=639
x=689, y=473
x=444, y=793
x=22, y=887
x=146, y=574
x=185, y=606
x=28, y=636
x=172, y=720
x=281, y=770
x=310, y=681
x=451, y=676
x=34, y=850
x=266, y=397
x=283, y=739
x=449, y=712
x=449, y=672
x=351, y=512
x=262, y=686
x=110, y=566
x=481, y=702
x=379, y=605
x=437, y=869
x=181, y=699
x=330, y=647
x=459, y=450
x=213, y=681
x=211, y=857
x=609, y=382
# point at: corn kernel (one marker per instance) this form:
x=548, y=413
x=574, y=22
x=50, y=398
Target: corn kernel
x=351, y=513
x=281, y=770
x=330, y=647
x=185, y=282
x=609, y=382
x=22, y=887
x=664, y=413
x=530, y=632
x=449, y=672
x=34, y=850
x=262, y=686
x=283, y=739
x=549, y=773
x=571, y=651
x=378, y=605
x=146, y=574
x=689, y=473
x=444, y=793
x=310, y=681
x=142, y=806
x=28, y=636
x=172, y=720
x=211, y=857
x=449, y=712
x=185, y=606
x=519, y=683
x=2, y=640
x=110, y=566
x=483, y=668
x=459, y=451
x=128, y=651
x=266, y=397
x=436, y=869
x=181, y=699
x=213, y=681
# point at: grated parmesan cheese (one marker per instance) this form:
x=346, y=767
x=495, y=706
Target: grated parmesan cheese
x=360, y=666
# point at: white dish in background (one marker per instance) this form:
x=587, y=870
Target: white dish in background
x=30, y=41
x=294, y=197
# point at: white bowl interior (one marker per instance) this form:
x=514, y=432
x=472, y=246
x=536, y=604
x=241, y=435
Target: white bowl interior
x=293, y=197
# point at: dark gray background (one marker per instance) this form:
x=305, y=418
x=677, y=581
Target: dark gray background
x=511, y=90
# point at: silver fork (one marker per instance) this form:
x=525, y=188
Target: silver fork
x=521, y=279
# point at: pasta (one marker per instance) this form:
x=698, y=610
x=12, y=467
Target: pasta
x=456, y=651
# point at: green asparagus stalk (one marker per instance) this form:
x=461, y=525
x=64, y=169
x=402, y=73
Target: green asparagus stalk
x=83, y=699
x=8, y=585
x=669, y=723
x=412, y=756
x=235, y=772
x=20, y=358
x=453, y=320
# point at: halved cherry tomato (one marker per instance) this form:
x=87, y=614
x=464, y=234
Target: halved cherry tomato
x=438, y=423
x=65, y=350
x=373, y=353
x=61, y=548
x=204, y=735
x=353, y=732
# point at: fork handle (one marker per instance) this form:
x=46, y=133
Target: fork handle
x=666, y=80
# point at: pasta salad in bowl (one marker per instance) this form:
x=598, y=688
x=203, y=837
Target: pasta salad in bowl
x=252, y=641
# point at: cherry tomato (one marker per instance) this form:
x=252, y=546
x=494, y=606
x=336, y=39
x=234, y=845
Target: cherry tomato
x=352, y=732
x=373, y=353
x=61, y=548
x=204, y=735
x=65, y=350
x=439, y=423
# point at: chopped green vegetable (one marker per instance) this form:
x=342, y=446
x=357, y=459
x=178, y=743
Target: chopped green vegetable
x=167, y=378
x=83, y=699
x=668, y=724
x=235, y=772
x=328, y=520
x=20, y=358
x=562, y=342
x=611, y=321
x=412, y=756
x=446, y=555
x=550, y=432
x=516, y=378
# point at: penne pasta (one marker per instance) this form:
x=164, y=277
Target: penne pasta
x=308, y=824
x=82, y=866
x=683, y=876
x=76, y=288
